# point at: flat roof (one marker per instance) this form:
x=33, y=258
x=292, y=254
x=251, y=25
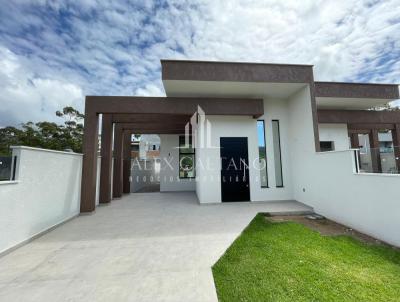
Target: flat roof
x=356, y=90
x=232, y=62
x=224, y=71
x=185, y=70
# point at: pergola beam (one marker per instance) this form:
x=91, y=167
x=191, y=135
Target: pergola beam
x=358, y=117
x=174, y=105
x=153, y=115
x=371, y=126
x=153, y=127
x=149, y=118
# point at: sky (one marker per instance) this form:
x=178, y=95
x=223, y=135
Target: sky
x=53, y=53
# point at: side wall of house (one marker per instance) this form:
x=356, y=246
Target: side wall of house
x=336, y=133
x=46, y=193
x=366, y=202
x=327, y=181
x=169, y=166
x=301, y=137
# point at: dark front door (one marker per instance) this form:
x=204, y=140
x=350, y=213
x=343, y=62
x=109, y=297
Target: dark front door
x=234, y=169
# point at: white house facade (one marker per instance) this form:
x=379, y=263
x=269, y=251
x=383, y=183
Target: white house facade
x=253, y=132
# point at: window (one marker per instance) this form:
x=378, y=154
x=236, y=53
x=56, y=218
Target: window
x=186, y=158
x=277, y=153
x=326, y=146
x=262, y=154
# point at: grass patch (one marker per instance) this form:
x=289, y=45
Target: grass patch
x=290, y=262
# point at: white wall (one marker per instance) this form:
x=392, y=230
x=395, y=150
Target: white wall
x=369, y=203
x=276, y=110
x=336, y=133
x=301, y=136
x=143, y=173
x=327, y=181
x=46, y=193
x=169, y=177
x=208, y=164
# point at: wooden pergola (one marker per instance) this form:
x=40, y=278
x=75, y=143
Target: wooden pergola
x=122, y=116
x=367, y=122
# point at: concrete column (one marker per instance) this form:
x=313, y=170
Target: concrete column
x=106, y=159
x=126, y=162
x=396, y=144
x=89, y=162
x=117, y=173
x=375, y=154
x=355, y=144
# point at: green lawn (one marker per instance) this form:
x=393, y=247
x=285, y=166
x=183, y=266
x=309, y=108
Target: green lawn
x=289, y=262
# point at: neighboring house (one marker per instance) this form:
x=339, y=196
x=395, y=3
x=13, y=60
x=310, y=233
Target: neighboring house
x=149, y=146
x=387, y=153
x=146, y=147
x=259, y=139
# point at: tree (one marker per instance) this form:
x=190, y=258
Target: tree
x=386, y=107
x=46, y=135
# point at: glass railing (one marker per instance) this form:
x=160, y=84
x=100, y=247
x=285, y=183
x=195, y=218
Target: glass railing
x=378, y=160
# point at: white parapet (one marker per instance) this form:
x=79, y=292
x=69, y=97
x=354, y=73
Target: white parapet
x=46, y=192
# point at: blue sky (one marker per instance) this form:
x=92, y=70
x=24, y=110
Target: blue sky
x=53, y=53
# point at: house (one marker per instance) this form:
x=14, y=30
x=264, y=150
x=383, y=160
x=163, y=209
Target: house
x=147, y=146
x=246, y=132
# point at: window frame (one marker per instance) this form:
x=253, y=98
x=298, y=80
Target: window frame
x=193, y=154
x=322, y=148
x=280, y=150
x=265, y=152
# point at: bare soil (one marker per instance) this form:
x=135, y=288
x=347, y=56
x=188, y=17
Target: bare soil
x=325, y=227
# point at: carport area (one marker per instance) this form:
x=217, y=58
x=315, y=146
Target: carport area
x=143, y=247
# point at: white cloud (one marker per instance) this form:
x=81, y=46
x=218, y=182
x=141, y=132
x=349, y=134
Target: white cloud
x=114, y=48
x=25, y=97
x=150, y=90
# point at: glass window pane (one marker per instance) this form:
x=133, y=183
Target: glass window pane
x=183, y=147
x=277, y=153
x=186, y=166
x=262, y=156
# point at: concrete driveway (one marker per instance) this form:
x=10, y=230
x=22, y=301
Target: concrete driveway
x=144, y=247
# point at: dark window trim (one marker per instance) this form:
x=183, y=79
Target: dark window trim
x=323, y=147
x=280, y=151
x=265, y=152
x=14, y=168
x=191, y=153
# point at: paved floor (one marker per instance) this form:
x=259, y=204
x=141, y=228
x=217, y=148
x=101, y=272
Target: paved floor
x=144, y=247
x=153, y=187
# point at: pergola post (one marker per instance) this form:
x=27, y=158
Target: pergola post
x=126, y=162
x=163, y=115
x=396, y=144
x=375, y=153
x=106, y=159
x=354, y=141
x=117, y=173
x=89, y=162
